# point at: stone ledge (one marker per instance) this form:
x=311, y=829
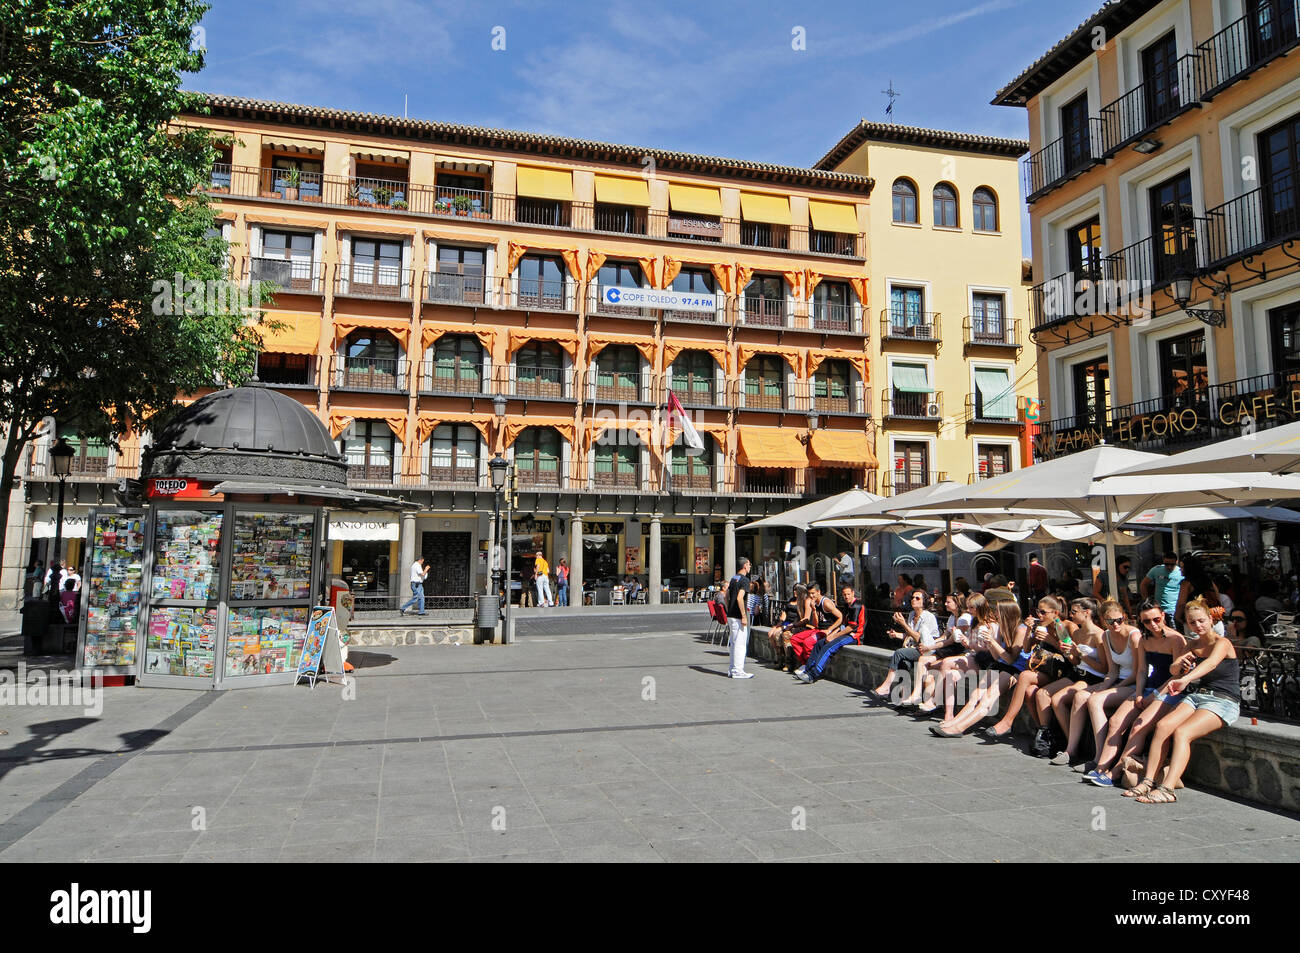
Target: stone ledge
x=1259, y=763
x=401, y=635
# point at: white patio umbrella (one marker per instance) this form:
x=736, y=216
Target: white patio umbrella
x=1178, y=515
x=1271, y=451
x=1085, y=483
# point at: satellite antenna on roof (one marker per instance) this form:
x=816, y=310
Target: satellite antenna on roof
x=892, y=94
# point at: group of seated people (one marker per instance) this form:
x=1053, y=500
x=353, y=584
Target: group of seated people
x=1102, y=690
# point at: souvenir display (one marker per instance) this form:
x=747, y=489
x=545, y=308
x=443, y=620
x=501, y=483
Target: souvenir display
x=272, y=556
x=264, y=641
x=181, y=641
x=187, y=555
x=112, y=590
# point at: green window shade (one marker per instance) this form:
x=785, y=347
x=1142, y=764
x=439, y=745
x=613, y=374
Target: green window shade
x=911, y=378
x=995, y=391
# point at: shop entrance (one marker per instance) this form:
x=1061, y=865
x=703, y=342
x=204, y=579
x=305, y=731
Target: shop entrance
x=448, y=555
x=366, y=569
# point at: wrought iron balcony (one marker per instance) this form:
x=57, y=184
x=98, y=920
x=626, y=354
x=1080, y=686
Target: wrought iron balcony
x=977, y=412
x=761, y=393
x=1250, y=223
x=384, y=375
x=471, y=379
x=550, y=383
x=763, y=235
x=833, y=243
x=543, y=212
x=370, y=279
x=764, y=312
x=443, y=200
x=912, y=406
x=538, y=294
x=902, y=481
x=982, y=330
x=904, y=325
x=447, y=287
x=623, y=219
x=835, y=318
x=1063, y=159
x=1246, y=45
x=1152, y=103
x=618, y=387
x=287, y=274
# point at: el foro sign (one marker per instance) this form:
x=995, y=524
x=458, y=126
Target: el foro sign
x=650, y=298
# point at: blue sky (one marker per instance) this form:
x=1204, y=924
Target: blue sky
x=719, y=78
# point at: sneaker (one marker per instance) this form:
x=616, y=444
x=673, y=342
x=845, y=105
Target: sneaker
x=1060, y=758
x=744, y=675
x=798, y=673
x=1099, y=779
x=804, y=677
x=1083, y=767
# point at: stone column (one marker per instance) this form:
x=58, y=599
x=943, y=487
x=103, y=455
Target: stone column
x=656, y=562
x=405, y=556
x=801, y=557
x=575, y=560
x=729, y=550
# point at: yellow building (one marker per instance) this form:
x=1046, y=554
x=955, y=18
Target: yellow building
x=1162, y=191
x=948, y=344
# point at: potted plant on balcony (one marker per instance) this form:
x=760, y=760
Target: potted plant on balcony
x=383, y=195
x=291, y=180
x=443, y=206
x=462, y=205
x=398, y=203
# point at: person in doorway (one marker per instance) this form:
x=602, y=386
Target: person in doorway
x=419, y=572
x=738, y=619
x=68, y=600
x=562, y=583
x=543, y=570
x=1037, y=579
x=1123, y=595
x=71, y=575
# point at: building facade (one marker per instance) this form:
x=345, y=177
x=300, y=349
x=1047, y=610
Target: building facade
x=450, y=293
x=953, y=366
x=1162, y=191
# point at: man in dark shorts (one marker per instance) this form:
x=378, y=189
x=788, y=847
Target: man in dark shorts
x=849, y=629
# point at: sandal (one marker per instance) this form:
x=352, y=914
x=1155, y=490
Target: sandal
x=1141, y=789
x=1161, y=795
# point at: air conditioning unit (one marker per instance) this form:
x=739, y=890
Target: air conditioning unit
x=932, y=410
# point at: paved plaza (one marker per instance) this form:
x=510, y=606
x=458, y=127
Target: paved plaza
x=594, y=738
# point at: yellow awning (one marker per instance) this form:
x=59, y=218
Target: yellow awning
x=300, y=333
x=842, y=448
x=621, y=191
x=770, y=448
x=773, y=209
x=374, y=154
x=538, y=183
x=293, y=145
x=833, y=217
x=696, y=199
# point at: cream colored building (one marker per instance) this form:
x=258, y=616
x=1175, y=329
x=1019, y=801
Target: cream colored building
x=952, y=365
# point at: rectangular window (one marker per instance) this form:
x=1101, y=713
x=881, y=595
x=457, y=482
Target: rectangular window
x=907, y=317
x=460, y=275
x=993, y=460
x=286, y=261
x=1083, y=250
x=1184, y=373
x=376, y=266
x=995, y=397
x=911, y=395
x=1279, y=154
x=1284, y=323
x=1173, y=227
x=1076, y=140
x=1160, y=79
x=911, y=466
x=453, y=454
x=987, y=324
x=832, y=309
x=1092, y=394
x=616, y=466
x=541, y=282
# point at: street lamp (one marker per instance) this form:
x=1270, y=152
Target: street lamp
x=498, y=467
x=1182, y=292
x=61, y=463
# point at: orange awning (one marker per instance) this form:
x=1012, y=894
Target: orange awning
x=568, y=340
x=842, y=448
x=721, y=353
x=598, y=342
x=794, y=356
x=300, y=333
x=427, y=422
x=513, y=428
x=339, y=420
x=770, y=447
x=857, y=360
x=516, y=251
x=430, y=332
x=399, y=328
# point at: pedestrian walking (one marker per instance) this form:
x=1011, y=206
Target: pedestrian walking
x=738, y=620
x=562, y=583
x=419, y=572
x=543, y=570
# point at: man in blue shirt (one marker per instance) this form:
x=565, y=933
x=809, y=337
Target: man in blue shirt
x=1163, y=583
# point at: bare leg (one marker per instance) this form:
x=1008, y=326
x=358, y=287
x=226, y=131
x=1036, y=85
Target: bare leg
x=983, y=702
x=1200, y=724
x=1024, y=682
x=1162, y=740
x=1077, y=718
x=1139, y=736
x=1098, y=703
x=1119, y=724
x=963, y=718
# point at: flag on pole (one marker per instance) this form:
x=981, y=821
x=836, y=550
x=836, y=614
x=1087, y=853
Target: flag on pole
x=692, y=435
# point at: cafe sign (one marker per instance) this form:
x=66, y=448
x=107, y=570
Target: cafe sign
x=1180, y=422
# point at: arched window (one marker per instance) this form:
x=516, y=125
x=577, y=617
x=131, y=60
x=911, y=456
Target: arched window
x=985, y=205
x=831, y=387
x=454, y=453
x=694, y=378
x=371, y=360
x=765, y=382
x=945, y=206
x=905, y=201
x=537, y=457
x=457, y=366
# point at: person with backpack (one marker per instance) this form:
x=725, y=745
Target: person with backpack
x=849, y=629
x=738, y=619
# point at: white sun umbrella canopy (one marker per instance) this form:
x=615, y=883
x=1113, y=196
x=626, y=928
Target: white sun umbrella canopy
x=1178, y=515
x=803, y=517
x=1086, y=483
x=1274, y=451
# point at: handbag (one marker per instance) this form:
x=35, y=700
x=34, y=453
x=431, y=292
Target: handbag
x=1043, y=744
x=1048, y=664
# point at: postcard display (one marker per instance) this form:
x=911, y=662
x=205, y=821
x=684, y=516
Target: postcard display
x=112, y=590
x=230, y=594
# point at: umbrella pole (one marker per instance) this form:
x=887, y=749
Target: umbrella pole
x=947, y=528
x=1112, y=574
x=1176, y=547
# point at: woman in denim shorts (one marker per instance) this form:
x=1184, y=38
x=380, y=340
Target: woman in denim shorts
x=1208, y=679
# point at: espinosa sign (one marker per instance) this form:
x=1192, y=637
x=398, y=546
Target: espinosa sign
x=1212, y=419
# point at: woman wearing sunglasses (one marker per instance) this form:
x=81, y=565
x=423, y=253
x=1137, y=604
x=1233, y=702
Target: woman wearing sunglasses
x=1137, y=715
x=1126, y=674
x=1241, y=630
x=1047, y=627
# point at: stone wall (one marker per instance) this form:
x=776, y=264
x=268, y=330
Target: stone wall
x=360, y=635
x=1259, y=763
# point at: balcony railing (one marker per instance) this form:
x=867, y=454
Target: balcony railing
x=912, y=406
x=625, y=220
x=761, y=394
x=441, y=287
x=618, y=387
x=596, y=304
x=386, y=375
x=982, y=475
x=688, y=476
x=368, y=279
x=551, y=383
x=370, y=474
x=827, y=481
x=1247, y=44
x=717, y=316
x=764, y=312
x=829, y=397
x=454, y=379
x=696, y=391
x=905, y=480
x=828, y=316
x=763, y=235
x=379, y=193
x=542, y=212
x=280, y=376
x=287, y=274
x=538, y=294
x=464, y=475
x=95, y=462
x=833, y=243
x=978, y=412
x=1064, y=158
x=754, y=480
x=464, y=203
x=981, y=330
x=219, y=179
x=1259, y=219
x=615, y=475
x=897, y=325
x=1152, y=103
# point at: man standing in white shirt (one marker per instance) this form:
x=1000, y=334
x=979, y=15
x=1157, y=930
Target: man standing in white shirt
x=419, y=572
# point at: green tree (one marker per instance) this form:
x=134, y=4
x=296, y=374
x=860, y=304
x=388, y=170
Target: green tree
x=99, y=201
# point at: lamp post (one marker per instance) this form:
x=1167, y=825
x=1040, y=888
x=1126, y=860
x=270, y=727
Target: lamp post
x=498, y=467
x=61, y=463
x=1182, y=292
